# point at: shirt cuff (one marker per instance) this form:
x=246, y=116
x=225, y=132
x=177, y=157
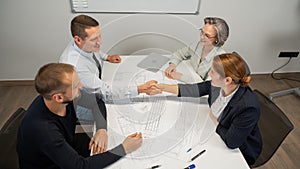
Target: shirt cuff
x=103, y=55
x=133, y=91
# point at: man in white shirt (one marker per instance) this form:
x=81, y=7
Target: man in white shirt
x=84, y=54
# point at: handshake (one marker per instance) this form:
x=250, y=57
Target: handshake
x=150, y=88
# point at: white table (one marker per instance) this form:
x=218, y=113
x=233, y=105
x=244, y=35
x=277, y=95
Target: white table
x=170, y=125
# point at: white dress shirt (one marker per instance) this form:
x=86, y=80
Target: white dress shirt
x=89, y=74
x=220, y=103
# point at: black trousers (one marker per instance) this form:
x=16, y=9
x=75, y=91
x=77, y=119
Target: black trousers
x=81, y=143
x=97, y=106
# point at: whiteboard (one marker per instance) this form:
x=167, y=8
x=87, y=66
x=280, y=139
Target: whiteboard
x=136, y=6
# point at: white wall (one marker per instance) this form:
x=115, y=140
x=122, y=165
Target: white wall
x=33, y=33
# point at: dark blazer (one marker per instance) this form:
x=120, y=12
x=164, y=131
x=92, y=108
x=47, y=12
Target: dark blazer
x=238, y=126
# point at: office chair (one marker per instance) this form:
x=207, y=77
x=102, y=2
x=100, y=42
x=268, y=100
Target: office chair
x=295, y=90
x=8, y=138
x=274, y=127
x=248, y=71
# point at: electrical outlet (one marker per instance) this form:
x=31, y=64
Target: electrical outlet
x=288, y=54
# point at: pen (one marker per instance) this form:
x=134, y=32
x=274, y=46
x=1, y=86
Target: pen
x=196, y=156
x=156, y=166
x=192, y=166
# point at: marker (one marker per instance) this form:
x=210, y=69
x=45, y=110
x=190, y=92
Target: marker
x=192, y=166
x=196, y=156
x=156, y=166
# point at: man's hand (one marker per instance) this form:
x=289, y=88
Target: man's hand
x=98, y=143
x=132, y=142
x=150, y=88
x=113, y=58
x=170, y=69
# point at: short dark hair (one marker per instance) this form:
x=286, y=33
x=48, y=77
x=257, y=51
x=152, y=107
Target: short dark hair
x=49, y=79
x=80, y=23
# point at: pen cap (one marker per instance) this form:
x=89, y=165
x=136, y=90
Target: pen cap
x=192, y=166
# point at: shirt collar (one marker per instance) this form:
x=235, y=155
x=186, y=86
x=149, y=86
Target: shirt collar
x=211, y=54
x=228, y=98
x=83, y=53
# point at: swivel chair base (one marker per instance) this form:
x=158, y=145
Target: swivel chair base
x=285, y=92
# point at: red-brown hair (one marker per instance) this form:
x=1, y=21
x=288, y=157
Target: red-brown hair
x=231, y=65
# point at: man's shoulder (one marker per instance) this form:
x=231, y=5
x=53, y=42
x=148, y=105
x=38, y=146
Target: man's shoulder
x=34, y=119
x=69, y=56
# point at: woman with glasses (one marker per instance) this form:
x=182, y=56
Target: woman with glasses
x=199, y=55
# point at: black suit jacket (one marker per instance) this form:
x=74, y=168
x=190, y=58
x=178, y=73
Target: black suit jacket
x=238, y=126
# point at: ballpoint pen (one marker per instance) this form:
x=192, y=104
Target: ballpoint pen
x=153, y=167
x=196, y=156
x=192, y=166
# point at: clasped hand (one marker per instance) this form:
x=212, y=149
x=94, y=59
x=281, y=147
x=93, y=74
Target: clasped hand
x=150, y=88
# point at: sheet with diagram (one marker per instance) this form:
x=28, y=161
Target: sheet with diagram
x=169, y=124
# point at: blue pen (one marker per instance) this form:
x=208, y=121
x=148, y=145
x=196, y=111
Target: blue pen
x=192, y=166
x=189, y=150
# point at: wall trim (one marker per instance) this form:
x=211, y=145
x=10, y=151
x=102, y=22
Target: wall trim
x=16, y=83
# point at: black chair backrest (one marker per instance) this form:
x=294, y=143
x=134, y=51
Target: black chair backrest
x=248, y=71
x=8, y=138
x=274, y=127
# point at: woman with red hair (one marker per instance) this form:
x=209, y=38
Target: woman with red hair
x=234, y=107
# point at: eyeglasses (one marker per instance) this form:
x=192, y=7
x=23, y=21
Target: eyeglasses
x=205, y=34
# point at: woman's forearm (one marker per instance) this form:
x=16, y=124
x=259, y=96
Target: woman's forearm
x=169, y=88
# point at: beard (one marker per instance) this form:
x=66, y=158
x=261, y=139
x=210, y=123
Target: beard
x=68, y=101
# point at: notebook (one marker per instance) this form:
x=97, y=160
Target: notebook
x=153, y=62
